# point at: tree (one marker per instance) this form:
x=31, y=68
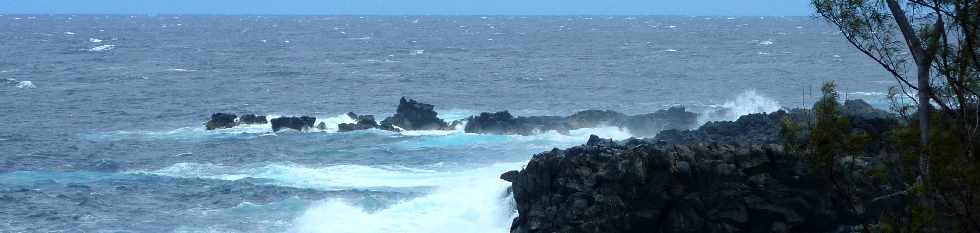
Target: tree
x=938, y=40
x=944, y=55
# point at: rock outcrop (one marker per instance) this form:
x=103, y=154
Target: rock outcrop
x=221, y=121
x=228, y=120
x=640, y=186
x=506, y=124
x=361, y=122
x=646, y=125
x=297, y=123
x=412, y=115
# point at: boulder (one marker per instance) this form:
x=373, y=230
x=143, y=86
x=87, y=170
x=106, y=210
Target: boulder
x=361, y=122
x=412, y=115
x=639, y=186
x=296, y=123
x=221, y=121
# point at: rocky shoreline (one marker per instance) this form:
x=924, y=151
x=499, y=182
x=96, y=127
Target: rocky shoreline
x=722, y=177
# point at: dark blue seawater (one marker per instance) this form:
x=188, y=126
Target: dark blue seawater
x=104, y=115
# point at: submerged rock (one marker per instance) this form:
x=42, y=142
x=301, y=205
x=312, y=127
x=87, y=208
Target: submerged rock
x=361, y=122
x=412, y=115
x=639, y=186
x=296, y=123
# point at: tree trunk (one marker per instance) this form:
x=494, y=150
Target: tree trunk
x=924, y=115
x=923, y=61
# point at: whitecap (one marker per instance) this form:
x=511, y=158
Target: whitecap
x=102, y=48
x=418, y=52
x=94, y=40
x=179, y=70
x=766, y=42
x=69, y=33
x=670, y=50
x=26, y=85
x=763, y=53
x=731, y=18
x=671, y=26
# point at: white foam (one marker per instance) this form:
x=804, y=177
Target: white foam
x=68, y=33
x=334, y=177
x=746, y=103
x=102, y=48
x=766, y=42
x=578, y=136
x=26, y=85
x=475, y=204
x=418, y=52
x=94, y=40
x=670, y=50
x=333, y=122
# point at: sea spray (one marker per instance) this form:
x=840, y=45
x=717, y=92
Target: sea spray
x=746, y=103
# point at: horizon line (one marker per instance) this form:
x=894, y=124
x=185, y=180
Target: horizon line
x=382, y=14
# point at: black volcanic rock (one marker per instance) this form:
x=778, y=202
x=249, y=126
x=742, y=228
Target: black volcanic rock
x=760, y=128
x=221, y=121
x=640, y=125
x=507, y=124
x=228, y=120
x=638, y=186
x=362, y=122
x=412, y=115
x=252, y=119
x=296, y=123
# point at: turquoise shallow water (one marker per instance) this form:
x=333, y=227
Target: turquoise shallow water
x=109, y=135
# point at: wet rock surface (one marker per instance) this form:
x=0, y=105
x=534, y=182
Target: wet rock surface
x=296, y=123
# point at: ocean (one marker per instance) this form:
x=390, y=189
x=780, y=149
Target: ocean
x=104, y=114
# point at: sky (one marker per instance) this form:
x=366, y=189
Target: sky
x=414, y=7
